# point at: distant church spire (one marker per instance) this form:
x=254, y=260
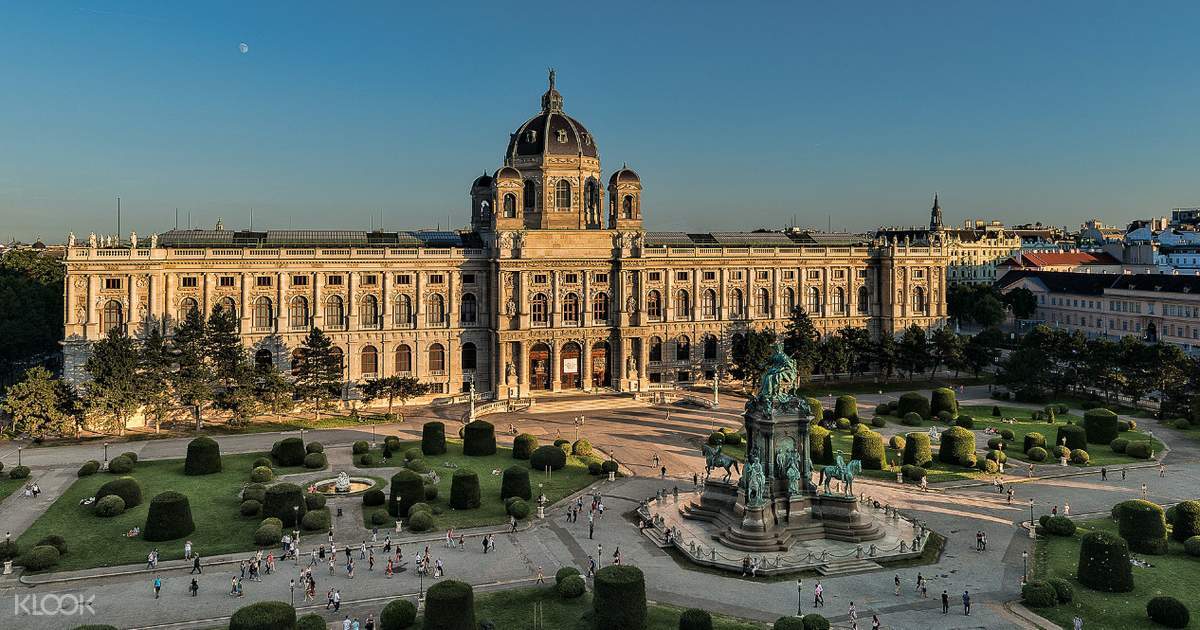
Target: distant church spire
x=935, y=215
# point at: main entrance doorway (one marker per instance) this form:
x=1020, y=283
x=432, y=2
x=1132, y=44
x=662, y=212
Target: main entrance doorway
x=539, y=367
x=570, y=369
x=600, y=365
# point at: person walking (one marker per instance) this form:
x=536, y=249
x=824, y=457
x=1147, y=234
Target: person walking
x=541, y=577
x=591, y=527
x=875, y=622
x=853, y=613
x=1162, y=470
x=485, y=544
x=1122, y=474
x=194, y=587
x=945, y=602
x=157, y=586
x=196, y=565
x=897, y=585
x=512, y=521
x=1066, y=508
x=966, y=603
x=1103, y=473
x=818, y=595
x=337, y=600
x=187, y=550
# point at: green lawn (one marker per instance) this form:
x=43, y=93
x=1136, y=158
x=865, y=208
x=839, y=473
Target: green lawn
x=1099, y=454
x=516, y=609
x=558, y=485
x=9, y=486
x=93, y=541
x=1175, y=574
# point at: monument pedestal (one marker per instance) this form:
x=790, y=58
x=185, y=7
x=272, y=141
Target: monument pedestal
x=752, y=519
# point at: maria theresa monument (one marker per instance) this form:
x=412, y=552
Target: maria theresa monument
x=555, y=286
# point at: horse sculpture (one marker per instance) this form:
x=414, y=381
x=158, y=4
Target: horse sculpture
x=841, y=471
x=713, y=458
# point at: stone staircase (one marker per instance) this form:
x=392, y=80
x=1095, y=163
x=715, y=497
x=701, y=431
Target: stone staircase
x=847, y=566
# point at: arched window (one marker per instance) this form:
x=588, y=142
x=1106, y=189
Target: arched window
x=789, y=301
x=530, y=195
x=655, y=350
x=710, y=348
x=298, y=313
x=263, y=359
x=683, y=348
x=335, y=313
x=864, y=299
x=404, y=359
x=436, y=312
x=540, y=309
x=683, y=305
x=264, y=315
x=839, y=301
x=737, y=305
x=112, y=317
x=227, y=305
x=369, y=361
x=814, y=301
x=468, y=356
x=919, y=304
x=708, y=304
x=562, y=195
x=570, y=309
x=340, y=359
x=469, y=309
x=600, y=308
x=437, y=359
x=510, y=206
x=762, y=302
x=186, y=306
x=369, y=315
x=403, y=316
x=627, y=207
x=654, y=305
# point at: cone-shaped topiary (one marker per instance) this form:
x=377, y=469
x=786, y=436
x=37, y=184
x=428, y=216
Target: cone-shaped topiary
x=912, y=402
x=917, y=450
x=433, y=438
x=1143, y=526
x=523, y=446
x=820, y=445
x=450, y=605
x=264, y=616
x=1075, y=437
x=868, y=449
x=397, y=615
x=957, y=447
x=1100, y=426
x=943, y=399
x=1104, y=563
x=127, y=488
x=515, y=483
x=464, y=489
x=1185, y=520
x=407, y=488
x=280, y=500
x=619, y=598
x=479, y=439
x=846, y=407
x=548, y=457
x=203, y=457
x=169, y=517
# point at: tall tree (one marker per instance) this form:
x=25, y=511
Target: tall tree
x=1027, y=369
x=945, y=348
x=802, y=343
x=912, y=353
x=982, y=350
x=834, y=355
x=223, y=349
x=114, y=393
x=318, y=371
x=154, y=369
x=750, y=353
x=192, y=380
x=272, y=388
x=40, y=406
x=31, y=309
x=989, y=310
x=860, y=348
x=1022, y=302
x=391, y=389
x=886, y=355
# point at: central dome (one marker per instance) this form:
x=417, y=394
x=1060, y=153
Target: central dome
x=551, y=132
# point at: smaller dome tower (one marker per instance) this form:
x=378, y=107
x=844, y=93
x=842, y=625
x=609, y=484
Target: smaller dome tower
x=625, y=200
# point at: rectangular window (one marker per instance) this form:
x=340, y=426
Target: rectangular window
x=862, y=273
x=655, y=276
x=710, y=275
x=540, y=278
x=334, y=281
x=437, y=278
x=762, y=274
x=262, y=281
x=918, y=273
x=404, y=278
x=813, y=274
x=370, y=280
x=681, y=276
x=299, y=281
x=112, y=283
x=839, y=274
x=225, y=281
x=189, y=282
x=468, y=278
x=735, y=275
x=600, y=278
x=571, y=278
x=789, y=275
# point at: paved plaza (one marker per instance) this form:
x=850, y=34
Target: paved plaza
x=637, y=435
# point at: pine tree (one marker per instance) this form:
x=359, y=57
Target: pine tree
x=834, y=356
x=860, y=349
x=750, y=353
x=192, y=380
x=223, y=349
x=886, y=355
x=272, y=388
x=154, y=369
x=912, y=353
x=114, y=392
x=802, y=342
x=40, y=405
x=946, y=348
x=318, y=371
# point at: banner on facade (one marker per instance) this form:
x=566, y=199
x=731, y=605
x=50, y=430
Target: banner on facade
x=570, y=366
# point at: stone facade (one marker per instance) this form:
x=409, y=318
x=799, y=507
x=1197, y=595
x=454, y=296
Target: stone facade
x=542, y=294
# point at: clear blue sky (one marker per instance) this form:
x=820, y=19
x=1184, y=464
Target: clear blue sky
x=737, y=114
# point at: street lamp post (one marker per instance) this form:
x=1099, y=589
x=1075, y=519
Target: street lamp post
x=292, y=587
x=799, y=598
x=19, y=455
x=1024, y=567
x=1031, y=534
x=106, y=454
x=471, y=384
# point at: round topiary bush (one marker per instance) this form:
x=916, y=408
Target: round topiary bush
x=1033, y=439
x=1038, y=594
x=571, y=586
x=366, y=460
x=9, y=550
x=987, y=465
x=995, y=443
x=1036, y=454
x=1104, y=563
x=280, y=500
x=1185, y=520
x=127, y=488
x=563, y=573
x=594, y=468
x=882, y=410
x=479, y=439
x=89, y=468
x=289, y=452
x=789, y=623
x=431, y=491
x=1168, y=611
x=120, y=465
x=945, y=416
x=1075, y=435
x=450, y=605
x=912, y=402
x=311, y=621
x=1061, y=452
x=407, y=488
x=1059, y=526
x=609, y=466
x=897, y=442
x=842, y=424
x=262, y=474
x=1192, y=546
x=515, y=483
x=420, y=521
x=813, y=621
x=269, y=532
x=250, y=507
x=1140, y=449
x=733, y=438
x=374, y=497
x=169, y=517
x=433, y=438
x=39, y=558
x=583, y=448
x=397, y=615
x=966, y=422
x=203, y=457
x=957, y=447
x=1100, y=426
x=1007, y=435
x=316, y=520
x=1143, y=526
x=1062, y=590
x=913, y=473
x=619, y=597
x=878, y=422
x=360, y=447
x=314, y=500
x=412, y=453
x=519, y=509
x=1126, y=425
x=256, y=491
x=54, y=540
x=419, y=507
x=917, y=450
x=261, y=461
x=846, y=407
x=943, y=399
x=547, y=457
x=1080, y=457
x=1182, y=424
x=911, y=419
x=997, y=456
x=523, y=446
x=867, y=447
x=315, y=461
x=380, y=517
x=314, y=447
x=464, y=488
x=820, y=445
x=695, y=619
x=1119, y=445
x=264, y=616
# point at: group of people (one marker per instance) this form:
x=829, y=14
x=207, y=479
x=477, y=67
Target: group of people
x=32, y=490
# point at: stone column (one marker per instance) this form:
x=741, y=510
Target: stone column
x=451, y=302
x=245, y=279
x=318, y=309
x=351, y=311
x=131, y=291
x=555, y=365
x=585, y=368
x=668, y=298
x=91, y=317
x=385, y=302
x=151, y=297
x=722, y=314
x=585, y=300
x=279, y=307
x=69, y=300
x=419, y=300
x=644, y=351
x=695, y=305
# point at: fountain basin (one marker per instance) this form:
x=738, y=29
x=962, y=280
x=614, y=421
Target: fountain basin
x=329, y=487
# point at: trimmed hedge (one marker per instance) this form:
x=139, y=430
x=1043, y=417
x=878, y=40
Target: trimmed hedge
x=262, y=474
x=450, y=605
x=264, y=616
x=911, y=419
x=515, y=483
x=1185, y=520
x=407, y=488
x=1038, y=594
x=289, y=452
x=127, y=488
x=548, y=456
x=314, y=500
x=917, y=450
x=374, y=497
x=203, y=457
x=1140, y=449
x=1100, y=426
x=1168, y=611
x=421, y=521
x=868, y=449
x=966, y=422
x=311, y=621
x=897, y=442
x=169, y=517
x=1062, y=589
x=1143, y=526
x=943, y=399
x=261, y=461
x=1037, y=454
x=269, y=532
x=1075, y=435
x=280, y=500
x=1059, y=526
x=1104, y=563
x=563, y=573
x=39, y=558
x=315, y=461
x=995, y=443
x=957, y=447
x=431, y=491
x=433, y=438
x=360, y=447
x=397, y=615
x=464, y=489
x=88, y=468
x=619, y=597
x=1191, y=546
x=523, y=446
x=314, y=447
x=820, y=445
x=817, y=411
x=571, y=587
x=1119, y=445
x=912, y=402
x=695, y=619
x=250, y=507
x=518, y=508
x=111, y=505
x=316, y=520
x=256, y=491
x=583, y=448
x=1032, y=439
x=1080, y=457
x=716, y=438
x=846, y=407
x=479, y=439
x=54, y=540
x=913, y=473
x=120, y=465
